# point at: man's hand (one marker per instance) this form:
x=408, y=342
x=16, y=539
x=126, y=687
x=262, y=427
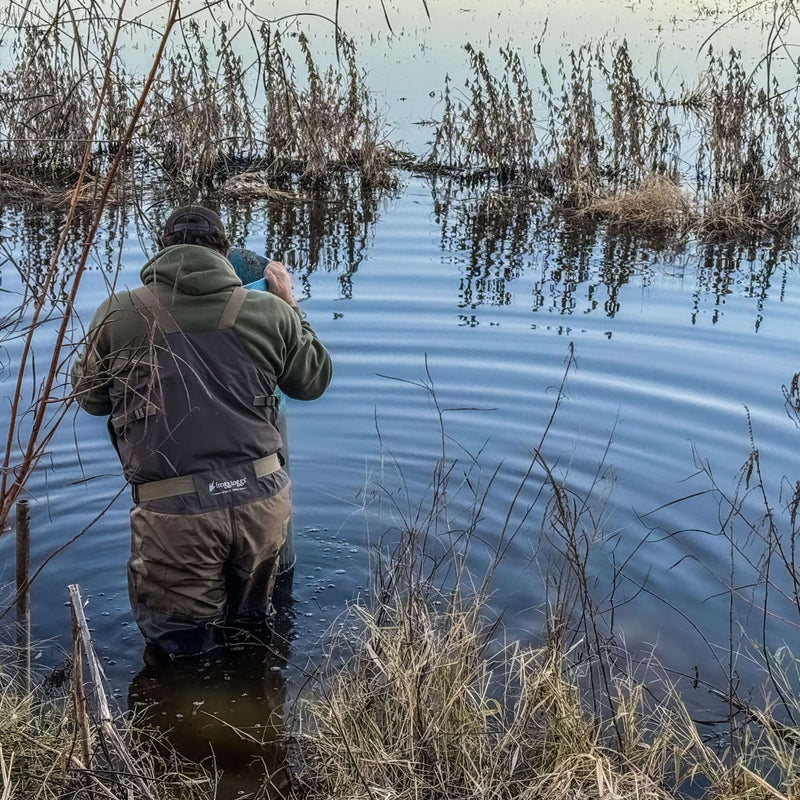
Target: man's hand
x=279, y=281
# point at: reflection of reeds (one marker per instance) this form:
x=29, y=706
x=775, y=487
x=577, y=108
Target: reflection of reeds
x=321, y=228
x=581, y=262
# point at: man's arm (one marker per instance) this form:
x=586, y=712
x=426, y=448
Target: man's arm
x=90, y=375
x=307, y=367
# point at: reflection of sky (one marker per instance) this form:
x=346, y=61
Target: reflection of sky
x=407, y=65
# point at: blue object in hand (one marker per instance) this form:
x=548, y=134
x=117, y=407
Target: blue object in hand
x=249, y=266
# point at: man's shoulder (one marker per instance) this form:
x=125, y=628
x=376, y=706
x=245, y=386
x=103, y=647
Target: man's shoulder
x=261, y=307
x=120, y=310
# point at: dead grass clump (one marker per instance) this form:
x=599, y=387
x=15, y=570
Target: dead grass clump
x=656, y=205
x=419, y=709
x=16, y=187
x=40, y=756
x=255, y=185
x=422, y=701
x=748, y=213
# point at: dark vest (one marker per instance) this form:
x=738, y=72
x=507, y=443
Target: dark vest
x=191, y=401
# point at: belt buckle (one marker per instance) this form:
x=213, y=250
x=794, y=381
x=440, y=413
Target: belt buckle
x=135, y=493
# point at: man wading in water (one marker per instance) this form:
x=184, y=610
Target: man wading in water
x=186, y=367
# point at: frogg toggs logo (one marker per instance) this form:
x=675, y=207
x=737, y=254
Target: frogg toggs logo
x=223, y=487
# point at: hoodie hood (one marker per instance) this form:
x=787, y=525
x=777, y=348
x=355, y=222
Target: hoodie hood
x=190, y=269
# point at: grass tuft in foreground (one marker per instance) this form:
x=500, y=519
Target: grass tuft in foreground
x=424, y=701
x=40, y=755
x=420, y=693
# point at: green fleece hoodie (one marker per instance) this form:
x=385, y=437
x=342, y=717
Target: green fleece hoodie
x=194, y=284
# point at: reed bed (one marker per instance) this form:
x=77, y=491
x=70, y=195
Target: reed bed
x=593, y=138
x=717, y=159
x=209, y=117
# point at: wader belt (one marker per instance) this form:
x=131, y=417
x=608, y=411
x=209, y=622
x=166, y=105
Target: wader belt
x=171, y=487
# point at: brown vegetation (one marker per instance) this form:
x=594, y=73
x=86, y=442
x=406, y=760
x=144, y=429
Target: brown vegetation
x=656, y=205
x=609, y=143
x=209, y=116
x=419, y=694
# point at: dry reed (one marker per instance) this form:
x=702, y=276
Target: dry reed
x=421, y=699
x=656, y=205
x=420, y=695
x=601, y=141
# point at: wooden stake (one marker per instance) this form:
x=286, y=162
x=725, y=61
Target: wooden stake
x=23, y=596
x=114, y=745
x=78, y=691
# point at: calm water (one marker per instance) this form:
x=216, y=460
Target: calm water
x=672, y=351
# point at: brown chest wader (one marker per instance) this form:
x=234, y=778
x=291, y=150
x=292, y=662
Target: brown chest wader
x=195, y=428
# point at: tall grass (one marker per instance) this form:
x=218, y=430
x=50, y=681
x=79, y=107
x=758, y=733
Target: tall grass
x=211, y=113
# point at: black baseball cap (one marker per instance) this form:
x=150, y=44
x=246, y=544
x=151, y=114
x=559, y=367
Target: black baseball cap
x=193, y=218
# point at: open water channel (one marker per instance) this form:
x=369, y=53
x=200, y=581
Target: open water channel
x=673, y=350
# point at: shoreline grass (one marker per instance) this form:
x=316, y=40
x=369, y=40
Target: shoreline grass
x=420, y=695
x=40, y=755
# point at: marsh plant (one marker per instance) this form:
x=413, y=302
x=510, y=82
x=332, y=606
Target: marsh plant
x=213, y=112
x=603, y=142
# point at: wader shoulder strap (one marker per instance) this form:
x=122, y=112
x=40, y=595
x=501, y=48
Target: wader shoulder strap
x=147, y=297
x=232, y=308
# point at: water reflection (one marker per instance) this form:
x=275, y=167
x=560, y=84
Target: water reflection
x=579, y=266
x=492, y=234
x=225, y=711
x=328, y=229
x=727, y=268
x=31, y=236
x=488, y=233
